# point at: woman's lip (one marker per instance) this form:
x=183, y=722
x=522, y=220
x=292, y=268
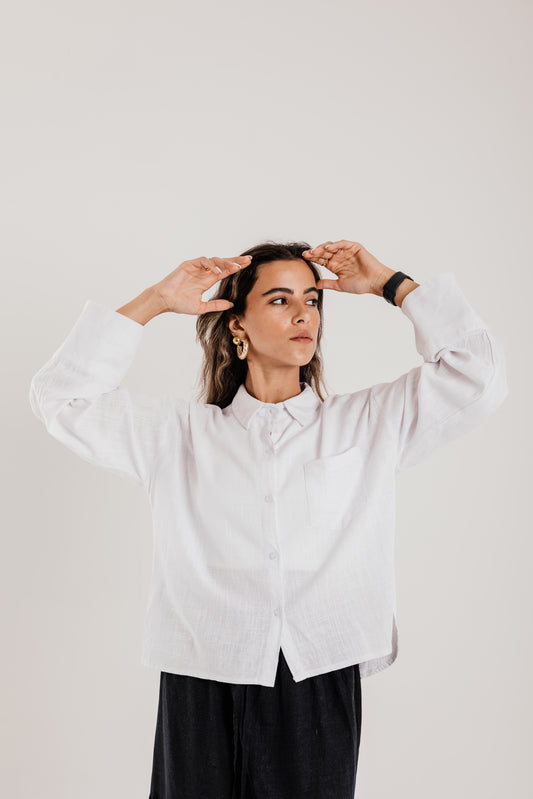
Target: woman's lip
x=300, y=338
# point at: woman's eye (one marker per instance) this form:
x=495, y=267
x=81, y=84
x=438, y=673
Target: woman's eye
x=313, y=299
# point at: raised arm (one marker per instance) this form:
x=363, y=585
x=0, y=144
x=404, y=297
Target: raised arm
x=461, y=382
x=78, y=393
x=463, y=378
x=79, y=397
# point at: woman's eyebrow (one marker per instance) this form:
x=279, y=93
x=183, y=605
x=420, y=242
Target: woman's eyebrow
x=289, y=291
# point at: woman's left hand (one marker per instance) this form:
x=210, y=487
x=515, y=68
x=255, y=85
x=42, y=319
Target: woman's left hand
x=357, y=270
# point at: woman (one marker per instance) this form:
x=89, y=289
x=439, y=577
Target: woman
x=272, y=589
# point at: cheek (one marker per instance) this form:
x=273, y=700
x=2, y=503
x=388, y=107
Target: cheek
x=272, y=339
x=273, y=327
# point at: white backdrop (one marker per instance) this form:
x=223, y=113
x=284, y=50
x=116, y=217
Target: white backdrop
x=136, y=136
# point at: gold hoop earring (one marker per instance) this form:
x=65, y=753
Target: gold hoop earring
x=243, y=349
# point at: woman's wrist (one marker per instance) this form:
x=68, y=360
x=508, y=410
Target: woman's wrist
x=403, y=289
x=380, y=279
x=148, y=304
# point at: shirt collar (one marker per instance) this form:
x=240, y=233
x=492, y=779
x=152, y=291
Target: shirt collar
x=302, y=406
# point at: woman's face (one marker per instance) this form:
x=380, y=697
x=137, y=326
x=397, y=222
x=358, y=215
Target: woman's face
x=282, y=304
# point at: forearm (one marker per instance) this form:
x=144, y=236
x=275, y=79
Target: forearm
x=402, y=291
x=144, y=307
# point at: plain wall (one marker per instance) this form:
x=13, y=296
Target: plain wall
x=136, y=136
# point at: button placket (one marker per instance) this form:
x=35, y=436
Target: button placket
x=272, y=424
x=275, y=423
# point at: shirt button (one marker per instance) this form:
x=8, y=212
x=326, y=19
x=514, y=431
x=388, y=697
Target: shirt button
x=273, y=555
x=268, y=498
x=276, y=612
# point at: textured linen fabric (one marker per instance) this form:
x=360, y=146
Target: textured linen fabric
x=273, y=522
x=297, y=740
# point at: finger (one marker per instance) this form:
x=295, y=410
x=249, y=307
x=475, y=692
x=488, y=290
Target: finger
x=324, y=283
x=331, y=260
x=243, y=260
x=207, y=265
x=218, y=266
x=329, y=248
x=321, y=261
x=231, y=264
x=342, y=244
x=319, y=250
x=215, y=305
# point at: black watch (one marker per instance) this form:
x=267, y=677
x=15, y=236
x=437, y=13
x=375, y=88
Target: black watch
x=389, y=289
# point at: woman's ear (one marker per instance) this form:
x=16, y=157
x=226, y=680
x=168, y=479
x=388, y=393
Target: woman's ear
x=234, y=325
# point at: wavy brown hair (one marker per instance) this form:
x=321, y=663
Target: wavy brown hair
x=222, y=371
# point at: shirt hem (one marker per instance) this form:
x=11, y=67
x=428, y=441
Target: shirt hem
x=366, y=669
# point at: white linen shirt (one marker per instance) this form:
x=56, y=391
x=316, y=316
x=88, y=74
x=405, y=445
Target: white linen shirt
x=273, y=522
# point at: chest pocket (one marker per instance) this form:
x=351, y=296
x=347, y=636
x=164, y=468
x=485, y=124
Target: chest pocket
x=335, y=489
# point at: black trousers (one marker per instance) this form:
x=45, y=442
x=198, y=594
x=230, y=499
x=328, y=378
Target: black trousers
x=295, y=740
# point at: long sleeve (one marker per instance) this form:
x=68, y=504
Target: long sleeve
x=78, y=396
x=461, y=382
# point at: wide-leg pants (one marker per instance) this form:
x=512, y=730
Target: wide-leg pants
x=295, y=740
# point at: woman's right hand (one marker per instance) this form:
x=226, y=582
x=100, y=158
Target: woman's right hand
x=181, y=290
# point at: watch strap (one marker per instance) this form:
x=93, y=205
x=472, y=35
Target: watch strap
x=389, y=289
